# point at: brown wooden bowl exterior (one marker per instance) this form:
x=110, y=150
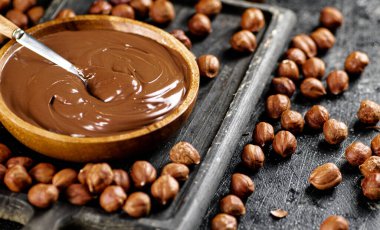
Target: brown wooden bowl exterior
x=110, y=147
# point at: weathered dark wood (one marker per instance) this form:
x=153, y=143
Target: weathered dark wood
x=283, y=183
x=213, y=128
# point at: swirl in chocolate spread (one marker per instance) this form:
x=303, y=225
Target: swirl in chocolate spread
x=138, y=81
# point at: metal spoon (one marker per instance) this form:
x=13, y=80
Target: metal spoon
x=10, y=30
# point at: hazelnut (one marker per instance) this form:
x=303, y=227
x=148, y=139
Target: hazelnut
x=3, y=170
x=356, y=62
x=283, y=85
x=306, y=44
x=371, y=165
x=141, y=7
x=83, y=173
x=284, y=143
x=35, y=14
x=162, y=11
x=64, y=178
x=335, y=131
x=253, y=20
x=137, y=205
x=66, y=13
x=276, y=105
x=357, y=153
x=23, y=161
x=180, y=172
x=23, y=5
x=164, y=189
x=17, y=178
x=99, y=177
x=78, y=194
x=313, y=67
x=241, y=185
x=369, y=112
x=121, y=178
x=312, y=88
x=4, y=4
x=5, y=153
x=331, y=18
x=316, y=116
x=209, y=7
x=296, y=55
x=292, y=121
x=223, y=222
x=43, y=195
x=325, y=176
x=18, y=18
x=43, y=173
x=253, y=157
x=199, y=25
x=112, y=198
x=375, y=145
x=208, y=66
x=263, y=134
x=244, y=41
x=371, y=186
x=100, y=7
x=288, y=68
x=323, y=38
x=123, y=10
x=184, y=153
x=181, y=36
x=118, y=2
x=337, y=82
x=334, y=223
x=143, y=173
x=232, y=205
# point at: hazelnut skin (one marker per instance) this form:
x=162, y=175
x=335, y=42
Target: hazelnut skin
x=82, y=175
x=209, y=7
x=23, y=161
x=143, y=173
x=284, y=143
x=263, y=134
x=23, y=5
x=137, y=205
x=78, y=194
x=292, y=121
x=4, y=4
x=184, y=153
x=141, y=7
x=232, y=205
x=66, y=13
x=296, y=55
x=100, y=7
x=276, y=105
x=17, y=178
x=312, y=88
x=64, y=178
x=112, y=198
x=369, y=112
x=181, y=36
x=43, y=173
x=316, y=116
x=335, y=131
x=323, y=38
x=306, y=44
x=209, y=66
x=253, y=157
x=357, y=153
x=325, y=176
x=3, y=170
x=178, y=171
x=375, y=145
x=314, y=67
x=123, y=10
x=223, y=221
x=331, y=18
x=162, y=11
x=99, y=177
x=371, y=186
x=35, y=14
x=356, y=62
x=18, y=18
x=334, y=222
x=283, y=85
x=337, y=82
x=164, y=189
x=289, y=69
x=199, y=25
x=371, y=165
x=121, y=178
x=5, y=153
x=253, y=20
x=43, y=195
x=244, y=41
x=241, y=185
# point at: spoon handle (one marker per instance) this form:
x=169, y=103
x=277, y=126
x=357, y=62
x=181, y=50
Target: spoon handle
x=7, y=27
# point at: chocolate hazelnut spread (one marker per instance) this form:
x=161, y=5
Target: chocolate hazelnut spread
x=133, y=80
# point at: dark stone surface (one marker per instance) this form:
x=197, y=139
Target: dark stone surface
x=283, y=183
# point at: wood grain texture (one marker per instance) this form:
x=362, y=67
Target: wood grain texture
x=283, y=183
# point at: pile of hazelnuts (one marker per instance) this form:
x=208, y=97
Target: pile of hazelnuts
x=23, y=13
x=115, y=189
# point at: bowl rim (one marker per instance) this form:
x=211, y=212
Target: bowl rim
x=190, y=96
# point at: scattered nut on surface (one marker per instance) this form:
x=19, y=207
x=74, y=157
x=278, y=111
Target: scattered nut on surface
x=100, y=7
x=162, y=11
x=357, y=153
x=3, y=170
x=5, y=153
x=23, y=161
x=4, y=4
x=263, y=134
x=209, y=65
x=306, y=44
x=284, y=143
x=137, y=205
x=371, y=165
x=276, y=105
x=35, y=14
x=43, y=195
x=356, y=62
x=369, y=112
x=64, y=178
x=209, y=7
x=23, y=5
x=178, y=171
x=98, y=177
x=141, y=7
x=181, y=36
x=289, y=69
x=316, y=116
x=296, y=55
x=279, y=213
x=165, y=189
x=232, y=205
x=18, y=18
x=142, y=173
x=244, y=41
x=375, y=145
x=43, y=173
x=283, y=85
x=66, y=13
x=112, y=198
x=335, y=131
x=253, y=157
x=78, y=194
x=292, y=121
x=314, y=67
x=121, y=178
x=241, y=185
x=223, y=221
x=337, y=82
x=371, y=186
x=199, y=25
x=253, y=20
x=323, y=38
x=334, y=223
x=184, y=153
x=325, y=176
x=123, y=10
x=83, y=173
x=331, y=18
x=17, y=178
x=312, y=88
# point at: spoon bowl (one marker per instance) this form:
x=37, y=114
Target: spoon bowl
x=122, y=145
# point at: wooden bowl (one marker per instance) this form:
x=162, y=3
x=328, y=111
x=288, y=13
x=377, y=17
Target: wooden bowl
x=110, y=147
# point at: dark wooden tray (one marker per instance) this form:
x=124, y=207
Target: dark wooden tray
x=215, y=127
